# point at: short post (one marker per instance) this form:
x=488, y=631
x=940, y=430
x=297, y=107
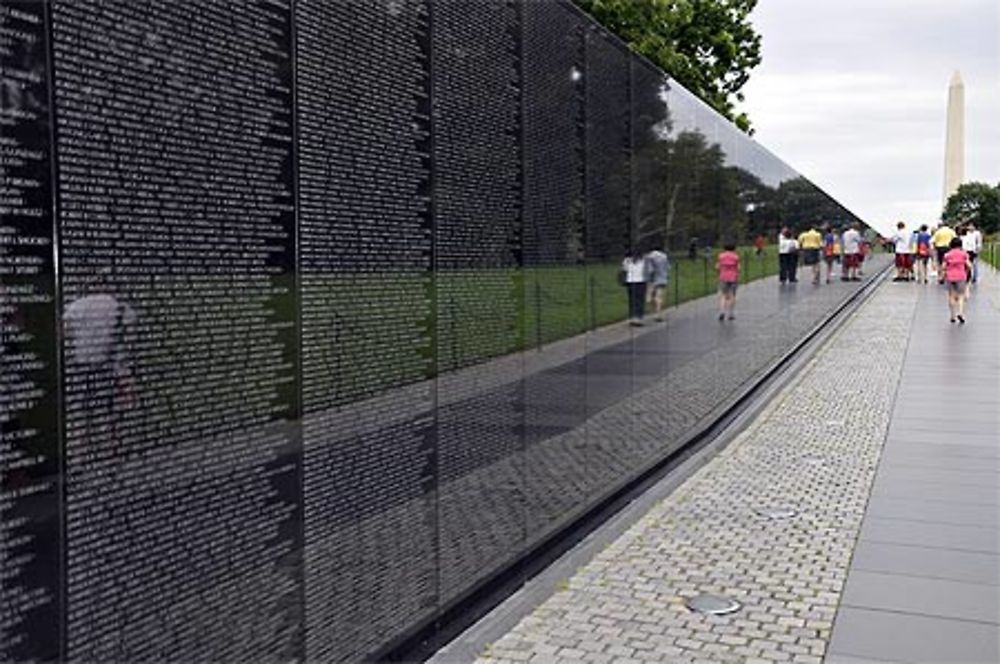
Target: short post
x=705, y=277
x=593, y=304
x=538, y=313
x=677, y=283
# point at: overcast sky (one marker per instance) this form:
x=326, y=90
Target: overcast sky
x=853, y=93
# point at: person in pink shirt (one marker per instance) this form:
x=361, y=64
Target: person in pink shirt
x=728, y=266
x=957, y=268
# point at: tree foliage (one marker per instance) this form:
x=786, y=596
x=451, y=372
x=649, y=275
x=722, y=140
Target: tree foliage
x=709, y=46
x=977, y=202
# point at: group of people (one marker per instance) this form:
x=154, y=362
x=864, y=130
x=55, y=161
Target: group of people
x=645, y=276
x=952, y=254
x=814, y=248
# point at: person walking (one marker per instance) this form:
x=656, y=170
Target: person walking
x=788, y=256
x=728, y=267
x=956, y=267
x=972, y=244
x=922, y=251
x=829, y=250
x=901, y=242
x=852, y=252
x=941, y=240
x=657, y=276
x=634, y=269
x=810, y=243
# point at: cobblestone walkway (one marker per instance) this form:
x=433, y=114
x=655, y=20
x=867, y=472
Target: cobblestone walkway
x=815, y=449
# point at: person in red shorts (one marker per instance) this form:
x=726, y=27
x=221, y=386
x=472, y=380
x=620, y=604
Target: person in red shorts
x=957, y=267
x=728, y=266
x=901, y=241
x=852, y=253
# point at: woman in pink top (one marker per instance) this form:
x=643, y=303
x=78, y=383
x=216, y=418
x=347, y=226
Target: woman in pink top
x=728, y=265
x=957, y=268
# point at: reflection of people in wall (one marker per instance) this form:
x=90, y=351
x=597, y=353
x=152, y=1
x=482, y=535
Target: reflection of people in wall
x=728, y=267
x=810, y=243
x=851, y=242
x=788, y=256
x=95, y=330
x=634, y=267
x=657, y=275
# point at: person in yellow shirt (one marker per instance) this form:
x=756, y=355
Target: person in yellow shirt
x=810, y=243
x=942, y=240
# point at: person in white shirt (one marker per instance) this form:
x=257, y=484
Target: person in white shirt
x=634, y=269
x=95, y=330
x=788, y=256
x=972, y=244
x=902, y=245
x=852, y=252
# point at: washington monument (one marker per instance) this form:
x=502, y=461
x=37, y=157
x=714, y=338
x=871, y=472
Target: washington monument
x=954, y=144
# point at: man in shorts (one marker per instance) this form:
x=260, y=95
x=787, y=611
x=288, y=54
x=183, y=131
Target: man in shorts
x=972, y=244
x=904, y=259
x=810, y=243
x=941, y=239
x=852, y=252
x=922, y=252
x=657, y=273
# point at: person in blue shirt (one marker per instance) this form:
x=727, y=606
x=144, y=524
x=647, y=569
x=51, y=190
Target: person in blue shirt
x=922, y=252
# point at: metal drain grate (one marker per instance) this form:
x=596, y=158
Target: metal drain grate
x=715, y=605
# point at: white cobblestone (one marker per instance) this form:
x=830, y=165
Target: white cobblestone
x=815, y=448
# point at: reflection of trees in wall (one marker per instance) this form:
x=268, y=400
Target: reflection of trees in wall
x=700, y=196
x=685, y=190
x=760, y=204
x=654, y=194
x=801, y=203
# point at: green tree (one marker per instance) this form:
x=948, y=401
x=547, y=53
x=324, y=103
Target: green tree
x=977, y=202
x=709, y=46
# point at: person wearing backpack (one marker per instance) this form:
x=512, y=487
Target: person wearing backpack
x=922, y=252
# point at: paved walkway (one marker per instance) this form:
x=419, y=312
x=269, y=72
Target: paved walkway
x=924, y=582
x=870, y=575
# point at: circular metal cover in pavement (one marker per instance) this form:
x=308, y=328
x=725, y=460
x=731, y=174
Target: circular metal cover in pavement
x=716, y=605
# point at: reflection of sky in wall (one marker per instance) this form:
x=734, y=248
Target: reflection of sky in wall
x=689, y=113
x=854, y=93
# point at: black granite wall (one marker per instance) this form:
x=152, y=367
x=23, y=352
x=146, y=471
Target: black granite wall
x=309, y=310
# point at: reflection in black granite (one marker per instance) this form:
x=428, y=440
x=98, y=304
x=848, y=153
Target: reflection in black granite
x=611, y=235
x=365, y=280
x=335, y=334
x=556, y=482
x=177, y=243
x=29, y=452
x=477, y=174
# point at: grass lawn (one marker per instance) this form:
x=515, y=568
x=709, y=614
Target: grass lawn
x=562, y=302
x=991, y=254
x=475, y=315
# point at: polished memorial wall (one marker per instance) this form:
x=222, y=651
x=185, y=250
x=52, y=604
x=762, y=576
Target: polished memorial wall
x=310, y=321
